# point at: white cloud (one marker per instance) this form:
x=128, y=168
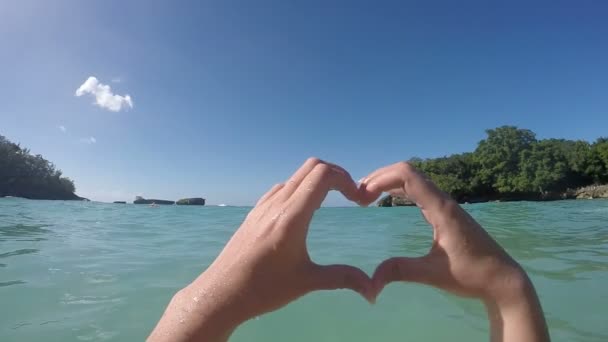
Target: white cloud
x=62, y=128
x=116, y=80
x=89, y=140
x=104, y=97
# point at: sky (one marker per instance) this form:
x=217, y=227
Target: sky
x=223, y=99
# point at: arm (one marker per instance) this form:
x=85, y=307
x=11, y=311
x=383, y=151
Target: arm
x=463, y=260
x=517, y=314
x=194, y=315
x=265, y=265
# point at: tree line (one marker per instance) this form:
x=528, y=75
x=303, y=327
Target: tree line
x=509, y=164
x=23, y=174
x=512, y=164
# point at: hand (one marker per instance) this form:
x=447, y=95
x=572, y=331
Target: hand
x=463, y=259
x=266, y=264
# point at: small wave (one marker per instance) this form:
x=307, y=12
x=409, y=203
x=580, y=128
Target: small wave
x=12, y=282
x=98, y=334
x=20, y=231
x=50, y=322
x=595, y=210
x=101, y=279
x=21, y=324
x=69, y=299
x=19, y=252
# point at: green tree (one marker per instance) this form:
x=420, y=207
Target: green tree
x=452, y=174
x=498, y=157
x=25, y=175
x=598, y=168
x=512, y=164
x=544, y=167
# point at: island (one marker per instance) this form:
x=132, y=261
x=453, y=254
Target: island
x=183, y=201
x=393, y=201
x=511, y=164
x=23, y=174
x=141, y=200
x=191, y=201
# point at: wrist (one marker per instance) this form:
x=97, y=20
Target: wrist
x=207, y=310
x=515, y=311
x=215, y=303
x=510, y=288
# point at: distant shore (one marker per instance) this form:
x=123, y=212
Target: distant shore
x=587, y=192
x=56, y=197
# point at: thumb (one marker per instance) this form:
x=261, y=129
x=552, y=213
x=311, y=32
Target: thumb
x=417, y=270
x=333, y=277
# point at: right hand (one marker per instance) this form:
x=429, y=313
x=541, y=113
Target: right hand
x=463, y=259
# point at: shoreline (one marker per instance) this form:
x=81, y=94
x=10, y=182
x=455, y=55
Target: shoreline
x=587, y=192
x=72, y=197
x=378, y=204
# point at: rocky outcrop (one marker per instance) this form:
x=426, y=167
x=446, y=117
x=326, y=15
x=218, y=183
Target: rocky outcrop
x=588, y=192
x=191, y=201
x=392, y=201
x=120, y=202
x=592, y=191
x=141, y=200
x=386, y=201
x=402, y=202
x=183, y=201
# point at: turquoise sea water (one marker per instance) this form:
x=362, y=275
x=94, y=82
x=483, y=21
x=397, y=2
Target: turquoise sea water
x=77, y=271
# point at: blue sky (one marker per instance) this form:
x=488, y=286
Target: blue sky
x=230, y=97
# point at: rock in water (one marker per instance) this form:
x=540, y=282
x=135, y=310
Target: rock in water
x=390, y=201
x=386, y=201
x=191, y=201
x=592, y=191
x=141, y=200
x=402, y=202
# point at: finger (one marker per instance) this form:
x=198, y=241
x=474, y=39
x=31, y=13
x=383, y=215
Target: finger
x=398, y=193
x=417, y=270
x=309, y=196
x=333, y=277
x=268, y=195
x=292, y=184
x=369, y=195
x=418, y=188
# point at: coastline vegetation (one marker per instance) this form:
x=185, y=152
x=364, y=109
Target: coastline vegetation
x=23, y=174
x=512, y=164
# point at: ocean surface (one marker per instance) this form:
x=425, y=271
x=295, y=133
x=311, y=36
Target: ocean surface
x=78, y=271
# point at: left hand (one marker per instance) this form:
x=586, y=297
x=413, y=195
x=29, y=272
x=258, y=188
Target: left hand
x=266, y=263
